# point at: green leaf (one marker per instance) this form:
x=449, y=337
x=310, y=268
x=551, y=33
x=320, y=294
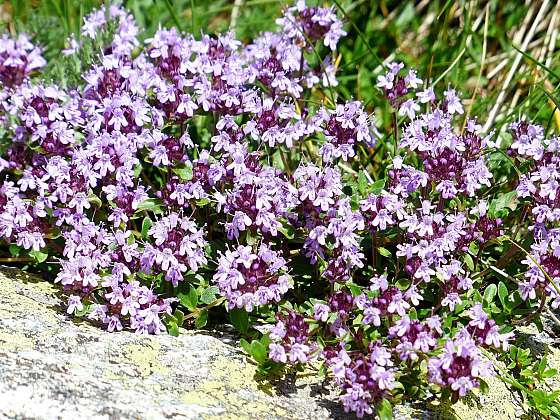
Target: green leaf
x=15, y=250
x=354, y=289
x=377, y=186
x=384, y=251
x=322, y=372
x=412, y=313
x=469, y=261
x=502, y=292
x=385, y=410
x=201, y=319
x=483, y=386
x=362, y=182
x=150, y=204
x=499, y=207
x=251, y=238
x=85, y=310
x=209, y=295
x=39, y=256
x=179, y=316
x=490, y=292
x=146, y=225
x=538, y=323
x=541, y=366
x=173, y=329
x=202, y=202
x=358, y=320
x=287, y=231
x=239, y=318
x=259, y=351
x=95, y=200
x=137, y=170
x=245, y=345
x=189, y=299
x=185, y=173
x=477, y=297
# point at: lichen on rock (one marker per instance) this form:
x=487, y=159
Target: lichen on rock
x=52, y=367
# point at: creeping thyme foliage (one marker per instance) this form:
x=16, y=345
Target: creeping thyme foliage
x=216, y=177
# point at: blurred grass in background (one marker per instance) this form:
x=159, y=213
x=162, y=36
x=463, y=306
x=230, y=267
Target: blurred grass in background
x=502, y=55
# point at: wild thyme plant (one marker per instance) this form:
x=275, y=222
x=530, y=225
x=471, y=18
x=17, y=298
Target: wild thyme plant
x=190, y=179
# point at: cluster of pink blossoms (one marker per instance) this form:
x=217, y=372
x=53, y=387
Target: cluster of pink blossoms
x=74, y=160
x=540, y=191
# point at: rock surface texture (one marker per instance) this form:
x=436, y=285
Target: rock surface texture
x=53, y=367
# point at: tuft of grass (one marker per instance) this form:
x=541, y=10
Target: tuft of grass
x=503, y=55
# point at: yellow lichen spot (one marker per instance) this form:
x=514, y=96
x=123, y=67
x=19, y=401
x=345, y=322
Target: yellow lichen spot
x=14, y=341
x=14, y=302
x=144, y=358
x=498, y=403
x=232, y=387
x=213, y=394
x=197, y=398
x=112, y=376
x=238, y=375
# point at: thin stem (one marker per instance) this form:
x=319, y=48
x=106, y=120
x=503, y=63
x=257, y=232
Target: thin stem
x=373, y=249
x=235, y=15
x=360, y=33
x=533, y=315
x=395, y=133
x=17, y=260
x=197, y=311
x=285, y=162
x=192, y=17
x=536, y=263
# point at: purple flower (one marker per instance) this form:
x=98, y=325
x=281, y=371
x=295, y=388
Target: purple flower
x=320, y=312
x=179, y=246
x=249, y=279
x=74, y=304
x=18, y=58
x=277, y=353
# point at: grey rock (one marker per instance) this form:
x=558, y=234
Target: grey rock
x=53, y=366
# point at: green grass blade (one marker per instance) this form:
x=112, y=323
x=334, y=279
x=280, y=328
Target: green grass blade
x=538, y=63
x=360, y=33
x=173, y=13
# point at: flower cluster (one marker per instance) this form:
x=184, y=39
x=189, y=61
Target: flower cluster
x=250, y=279
x=345, y=127
x=485, y=331
x=542, y=277
x=291, y=339
x=307, y=25
x=460, y=366
x=178, y=246
x=125, y=32
x=363, y=378
x=540, y=189
x=18, y=58
x=143, y=307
